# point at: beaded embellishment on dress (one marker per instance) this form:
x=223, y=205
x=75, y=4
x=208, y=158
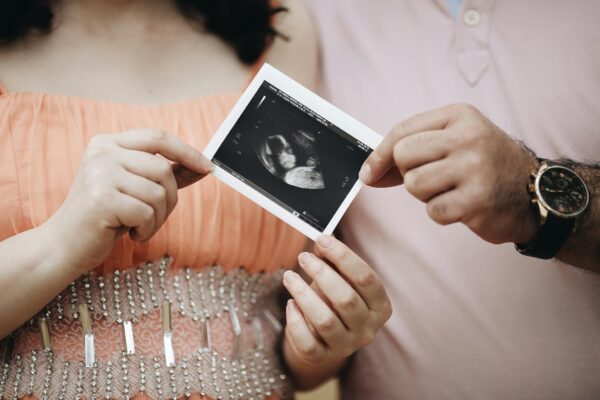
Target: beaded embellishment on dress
x=223, y=328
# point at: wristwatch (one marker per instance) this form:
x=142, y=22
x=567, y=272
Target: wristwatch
x=559, y=196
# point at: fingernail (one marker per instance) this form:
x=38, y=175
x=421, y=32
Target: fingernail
x=324, y=241
x=205, y=162
x=290, y=309
x=365, y=173
x=208, y=164
x=290, y=276
x=304, y=258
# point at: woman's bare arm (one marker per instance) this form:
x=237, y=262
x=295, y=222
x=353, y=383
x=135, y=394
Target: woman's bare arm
x=32, y=271
x=122, y=186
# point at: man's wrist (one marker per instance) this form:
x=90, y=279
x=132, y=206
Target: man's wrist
x=528, y=214
x=556, y=226
x=590, y=174
x=582, y=249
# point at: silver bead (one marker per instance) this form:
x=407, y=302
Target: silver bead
x=18, y=375
x=64, y=381
x=32, y=372
x=73, y=301
x=49, y=371
x=94, y=383
x=142, y=375
x=80, y=378
x=87, y=288
x=103, y=301
x=4, y=378
x=109, y=380
x=130, y=296
x=60, y=310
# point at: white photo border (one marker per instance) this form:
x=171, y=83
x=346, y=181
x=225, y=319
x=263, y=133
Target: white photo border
x=315, y=103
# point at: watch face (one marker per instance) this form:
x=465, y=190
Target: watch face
x=562, y=191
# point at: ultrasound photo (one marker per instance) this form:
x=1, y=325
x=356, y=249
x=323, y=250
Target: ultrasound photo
x=292, y=158
x=292, y=155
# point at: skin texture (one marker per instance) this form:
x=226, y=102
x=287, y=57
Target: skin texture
x=454, y=159
x=337, y=314
x=123, y=186
x=467, y=170
x=582, y=249
x=144, y=52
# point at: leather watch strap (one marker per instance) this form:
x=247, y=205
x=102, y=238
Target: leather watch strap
x=549, y=238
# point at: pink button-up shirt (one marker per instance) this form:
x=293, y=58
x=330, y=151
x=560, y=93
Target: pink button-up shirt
x=471, y=320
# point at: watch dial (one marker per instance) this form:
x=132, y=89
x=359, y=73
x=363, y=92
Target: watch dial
x=563, y=191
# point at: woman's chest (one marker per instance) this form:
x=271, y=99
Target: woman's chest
x=43, y=138
x=155, y=70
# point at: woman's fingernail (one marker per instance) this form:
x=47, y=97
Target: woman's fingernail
x=324, y=241
x=291, y=313
x=365, y=173
x=290, y=276
x=207, y=164
x=304, y=258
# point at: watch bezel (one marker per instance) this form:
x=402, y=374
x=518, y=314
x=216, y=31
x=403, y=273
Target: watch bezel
x=547, y=206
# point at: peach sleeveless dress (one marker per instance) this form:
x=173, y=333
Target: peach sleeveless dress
x=216, y=262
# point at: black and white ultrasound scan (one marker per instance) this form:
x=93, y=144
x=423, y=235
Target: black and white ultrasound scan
x=293, y=156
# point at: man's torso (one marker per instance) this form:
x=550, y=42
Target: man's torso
x=471, y=320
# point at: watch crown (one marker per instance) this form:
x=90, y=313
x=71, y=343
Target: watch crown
x=531, y=187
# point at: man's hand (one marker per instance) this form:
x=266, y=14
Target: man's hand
x=464, y=167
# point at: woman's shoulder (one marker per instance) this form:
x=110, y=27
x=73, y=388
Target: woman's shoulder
x=298, y=55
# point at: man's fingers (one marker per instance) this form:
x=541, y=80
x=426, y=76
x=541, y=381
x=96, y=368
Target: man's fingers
x=448, y=207
x=430, y=180
x=410, y=152
x=422, y=148
x=381, y=159
x=356, y=272
x=343, y=298
x=326, y=323
x=390, y=179
x=170, y=147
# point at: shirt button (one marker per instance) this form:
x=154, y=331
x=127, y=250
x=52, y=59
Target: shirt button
x=472, y=17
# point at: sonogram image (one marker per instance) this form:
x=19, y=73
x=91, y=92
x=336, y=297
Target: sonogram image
x=292, y=158
x=291, y=155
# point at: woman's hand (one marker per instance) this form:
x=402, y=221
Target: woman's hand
x=340, y=312
x=125, y=183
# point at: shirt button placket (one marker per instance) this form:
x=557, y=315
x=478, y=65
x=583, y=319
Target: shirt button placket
x=471, y=17
x=472, y=36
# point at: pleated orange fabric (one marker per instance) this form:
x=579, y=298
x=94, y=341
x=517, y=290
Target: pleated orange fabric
x=42, y=140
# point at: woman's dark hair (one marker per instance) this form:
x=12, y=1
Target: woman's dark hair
x=246, y=25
